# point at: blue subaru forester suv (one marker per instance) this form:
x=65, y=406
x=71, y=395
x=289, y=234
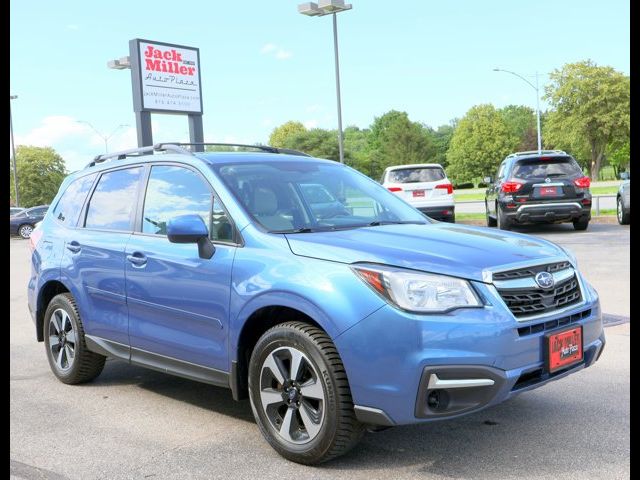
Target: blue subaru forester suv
x=304, y=285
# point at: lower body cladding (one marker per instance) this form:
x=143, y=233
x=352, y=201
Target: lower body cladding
x=406, y=368
x=547, y=212
x=445, y=213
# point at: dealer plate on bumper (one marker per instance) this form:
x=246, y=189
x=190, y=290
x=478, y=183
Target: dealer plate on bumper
x=563, y=349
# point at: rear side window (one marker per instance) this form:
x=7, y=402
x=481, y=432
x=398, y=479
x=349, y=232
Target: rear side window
x=68, y=208
x=553, y=167
x=416, y=175
x=38, y=212
x=113, y=200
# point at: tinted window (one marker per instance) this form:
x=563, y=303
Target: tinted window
x=276, y=196
x=113, y=200
x=174, y=191
x=68, y=208
x=38, y=212
x=538, y=168
x=415, y=175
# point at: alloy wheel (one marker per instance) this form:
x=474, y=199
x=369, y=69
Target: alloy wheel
x=25, y=231
x=62, y=340
x=292, y=395
x=619, y=212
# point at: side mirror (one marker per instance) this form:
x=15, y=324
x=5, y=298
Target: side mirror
x=191, y=229
x=624, y=176
x=488, y=180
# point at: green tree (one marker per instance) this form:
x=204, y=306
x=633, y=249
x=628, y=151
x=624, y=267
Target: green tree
x=440, y=141
x=590, y=110
x=521, y=123
x=281, y=134
x=40, y=173
x=317, y=142
x=620, y=157
x=356, y=146
x=479, y=143
x=396, y=140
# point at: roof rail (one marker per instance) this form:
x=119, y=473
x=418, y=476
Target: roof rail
x=134, y=152
x=535, y=152
x=266, y=148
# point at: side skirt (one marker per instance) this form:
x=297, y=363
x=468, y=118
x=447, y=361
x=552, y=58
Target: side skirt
x=161, y=363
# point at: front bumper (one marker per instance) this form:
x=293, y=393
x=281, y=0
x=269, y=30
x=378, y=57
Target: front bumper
x=391, y=356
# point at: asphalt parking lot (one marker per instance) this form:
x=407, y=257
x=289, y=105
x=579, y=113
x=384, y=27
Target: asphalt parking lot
x=133, y=423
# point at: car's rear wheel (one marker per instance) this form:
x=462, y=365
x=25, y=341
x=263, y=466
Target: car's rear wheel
x=502, y=220
x=68, y=356
x=300, y=395
x=581, y=223
x=623, y=217
x=491, y=222
x=25, y=230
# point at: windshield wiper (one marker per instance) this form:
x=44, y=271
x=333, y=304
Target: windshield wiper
x=377, y=223
x=295, y=230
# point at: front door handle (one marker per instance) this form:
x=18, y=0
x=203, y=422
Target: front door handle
x=73, y=247
x=138, y=259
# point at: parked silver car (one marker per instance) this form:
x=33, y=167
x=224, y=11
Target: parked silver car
x=624, y=199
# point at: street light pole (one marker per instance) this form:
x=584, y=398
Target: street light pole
x=333, y=7
x=335, y=48
x=13, y=150
x=104, y=138
x=535, y=87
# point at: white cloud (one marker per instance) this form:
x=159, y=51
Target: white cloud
x=51, y=130
x=309, y=124
x=314, y=108
x=276, y=51
x=268, y=48
x=283, y=54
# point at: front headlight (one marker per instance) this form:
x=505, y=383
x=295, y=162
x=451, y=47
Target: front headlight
x=416, y=291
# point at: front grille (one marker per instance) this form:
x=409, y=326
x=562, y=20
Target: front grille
x=536, y=300
x=530, y=271
x=551, y=324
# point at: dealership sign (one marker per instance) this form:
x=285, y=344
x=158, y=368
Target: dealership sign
x=169, y=77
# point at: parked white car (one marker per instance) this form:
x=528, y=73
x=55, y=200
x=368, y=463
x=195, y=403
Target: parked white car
x=425, y=186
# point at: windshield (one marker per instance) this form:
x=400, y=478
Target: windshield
x=416, y=175
x=288, y=197
x=539, y=168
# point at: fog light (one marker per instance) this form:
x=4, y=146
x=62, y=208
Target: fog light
x=433, y=400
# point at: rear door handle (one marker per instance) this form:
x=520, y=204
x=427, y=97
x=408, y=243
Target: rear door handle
x=138, y=259
x=74, y=247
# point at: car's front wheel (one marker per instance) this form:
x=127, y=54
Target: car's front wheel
x=623, y=217
x=300, y=395
x=25, y=230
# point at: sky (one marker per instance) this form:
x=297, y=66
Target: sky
x=262, y=63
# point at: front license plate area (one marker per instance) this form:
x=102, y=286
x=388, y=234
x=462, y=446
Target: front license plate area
x=563, y=349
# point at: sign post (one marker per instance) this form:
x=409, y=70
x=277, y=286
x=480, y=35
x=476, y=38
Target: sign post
x=165, y=79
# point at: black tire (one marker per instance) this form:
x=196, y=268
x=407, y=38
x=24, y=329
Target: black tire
x=491, y=222
x=338, y=429
x=84, y=365
x=624, y=218
x=25, y=230
x=581, y=224
x=502, y=221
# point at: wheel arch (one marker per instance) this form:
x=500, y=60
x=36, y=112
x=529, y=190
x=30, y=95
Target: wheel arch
x=256, y=324
x=49, y=290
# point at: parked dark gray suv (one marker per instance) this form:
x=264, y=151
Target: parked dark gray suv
x=623, y=200
x=549, y=187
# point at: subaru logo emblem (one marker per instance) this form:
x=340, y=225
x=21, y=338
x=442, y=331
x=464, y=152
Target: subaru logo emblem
x=544, y=280
x=547, y=180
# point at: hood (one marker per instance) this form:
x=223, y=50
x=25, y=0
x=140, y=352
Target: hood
x=452, y=249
